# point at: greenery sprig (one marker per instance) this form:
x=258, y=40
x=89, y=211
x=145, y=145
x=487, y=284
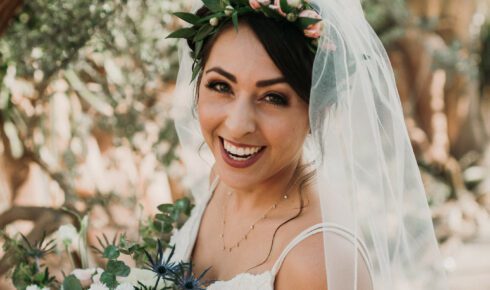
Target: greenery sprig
x=224, y=11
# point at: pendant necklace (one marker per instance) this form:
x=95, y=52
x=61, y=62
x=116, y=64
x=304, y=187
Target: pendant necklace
x=251, y=228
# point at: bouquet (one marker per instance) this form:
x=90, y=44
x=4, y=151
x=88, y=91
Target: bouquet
x=152, y=255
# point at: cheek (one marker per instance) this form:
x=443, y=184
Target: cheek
x=209, y=115
x=286, y=134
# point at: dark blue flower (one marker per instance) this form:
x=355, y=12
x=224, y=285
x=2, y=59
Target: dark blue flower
x=163, y=268
x=185, y=279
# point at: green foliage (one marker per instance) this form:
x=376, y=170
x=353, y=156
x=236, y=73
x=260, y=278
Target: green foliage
x=72, y=283
x=27, y=258
x=40, y=39
x=222, y=12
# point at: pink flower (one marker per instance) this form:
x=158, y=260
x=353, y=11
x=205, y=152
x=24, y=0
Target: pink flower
x=277, y=7
x=254, y=4
x=313, y=30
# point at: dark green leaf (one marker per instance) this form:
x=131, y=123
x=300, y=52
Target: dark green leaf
x=72, y=283
x=108, y=278
x=306, y=21
x=166, y=207
x=269, y=12
x=39, y=277
x=183, y=204
x=188, y=17
x=163, y=227
x=285, y=6
x=213, y=5
x=118, y=268
x=198, y=47
x=234, y=18
x=203, y=32
x=163, y=217
x=195, y=71
x=182, y=33
x=111, y=252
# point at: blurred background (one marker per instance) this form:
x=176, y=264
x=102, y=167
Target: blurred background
x=86, y=127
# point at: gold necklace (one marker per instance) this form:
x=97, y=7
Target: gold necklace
x=251, y=228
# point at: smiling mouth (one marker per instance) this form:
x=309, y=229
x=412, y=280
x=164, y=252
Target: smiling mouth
x=239, y=153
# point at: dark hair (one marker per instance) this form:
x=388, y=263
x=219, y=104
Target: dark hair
x=285, y=44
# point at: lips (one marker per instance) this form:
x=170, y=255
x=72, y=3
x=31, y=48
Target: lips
x=240, y=156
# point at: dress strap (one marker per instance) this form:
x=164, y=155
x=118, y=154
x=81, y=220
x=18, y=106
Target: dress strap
x=318, y=228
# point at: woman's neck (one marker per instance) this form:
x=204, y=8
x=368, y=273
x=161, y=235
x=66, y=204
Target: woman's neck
x=265, y=194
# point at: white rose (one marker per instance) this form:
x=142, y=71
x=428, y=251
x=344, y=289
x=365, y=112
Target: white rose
x=98, y=286
x=125, y=286
x=33, y=287
x=144, y=276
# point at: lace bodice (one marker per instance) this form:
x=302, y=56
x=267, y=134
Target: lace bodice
x=185, y=238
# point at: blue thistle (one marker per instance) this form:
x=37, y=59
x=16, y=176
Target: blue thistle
x=164, y=269
x=185, y=280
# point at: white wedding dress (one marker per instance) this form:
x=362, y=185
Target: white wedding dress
x=185, y=238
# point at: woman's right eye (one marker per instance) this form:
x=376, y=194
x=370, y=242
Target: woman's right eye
x=219, y=87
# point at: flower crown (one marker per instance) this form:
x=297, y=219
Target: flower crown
x=299, y=12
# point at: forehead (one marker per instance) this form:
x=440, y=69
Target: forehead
x=242, y=54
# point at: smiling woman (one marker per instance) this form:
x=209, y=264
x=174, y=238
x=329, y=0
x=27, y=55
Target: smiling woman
x=311, y=173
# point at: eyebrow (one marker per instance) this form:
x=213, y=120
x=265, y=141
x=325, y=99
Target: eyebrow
x=259, y=84
x=270, y=82
x=223, y=73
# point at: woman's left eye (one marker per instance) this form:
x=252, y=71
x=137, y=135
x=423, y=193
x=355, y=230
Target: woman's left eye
x=219, y=87
x=276, y=99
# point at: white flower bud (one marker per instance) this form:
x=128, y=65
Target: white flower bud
x=291, y=17
x=229, y=10
x=214, y=21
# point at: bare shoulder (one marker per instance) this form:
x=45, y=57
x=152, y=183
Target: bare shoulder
x=304, y=266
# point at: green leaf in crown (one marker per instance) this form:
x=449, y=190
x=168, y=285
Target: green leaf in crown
x=299, y=12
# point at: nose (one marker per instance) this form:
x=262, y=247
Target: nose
x=240, y=118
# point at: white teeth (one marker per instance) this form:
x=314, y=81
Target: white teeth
x=242, y=151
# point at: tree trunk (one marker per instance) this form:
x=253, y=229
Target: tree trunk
x=8, y=8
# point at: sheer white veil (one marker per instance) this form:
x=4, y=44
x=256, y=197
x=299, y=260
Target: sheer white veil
x=367, y=176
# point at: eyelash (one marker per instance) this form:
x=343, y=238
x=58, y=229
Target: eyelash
x=278, y=99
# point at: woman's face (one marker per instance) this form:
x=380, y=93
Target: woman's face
x=252, y=120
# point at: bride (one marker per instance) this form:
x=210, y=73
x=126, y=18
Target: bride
x=292, y=119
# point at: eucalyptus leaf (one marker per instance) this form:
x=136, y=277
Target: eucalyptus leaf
x=166, y=207
x=72, y=283
x=163, y=217
x=118, y=268
x=109, y=279
x=183, y=204
x=111, y=252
